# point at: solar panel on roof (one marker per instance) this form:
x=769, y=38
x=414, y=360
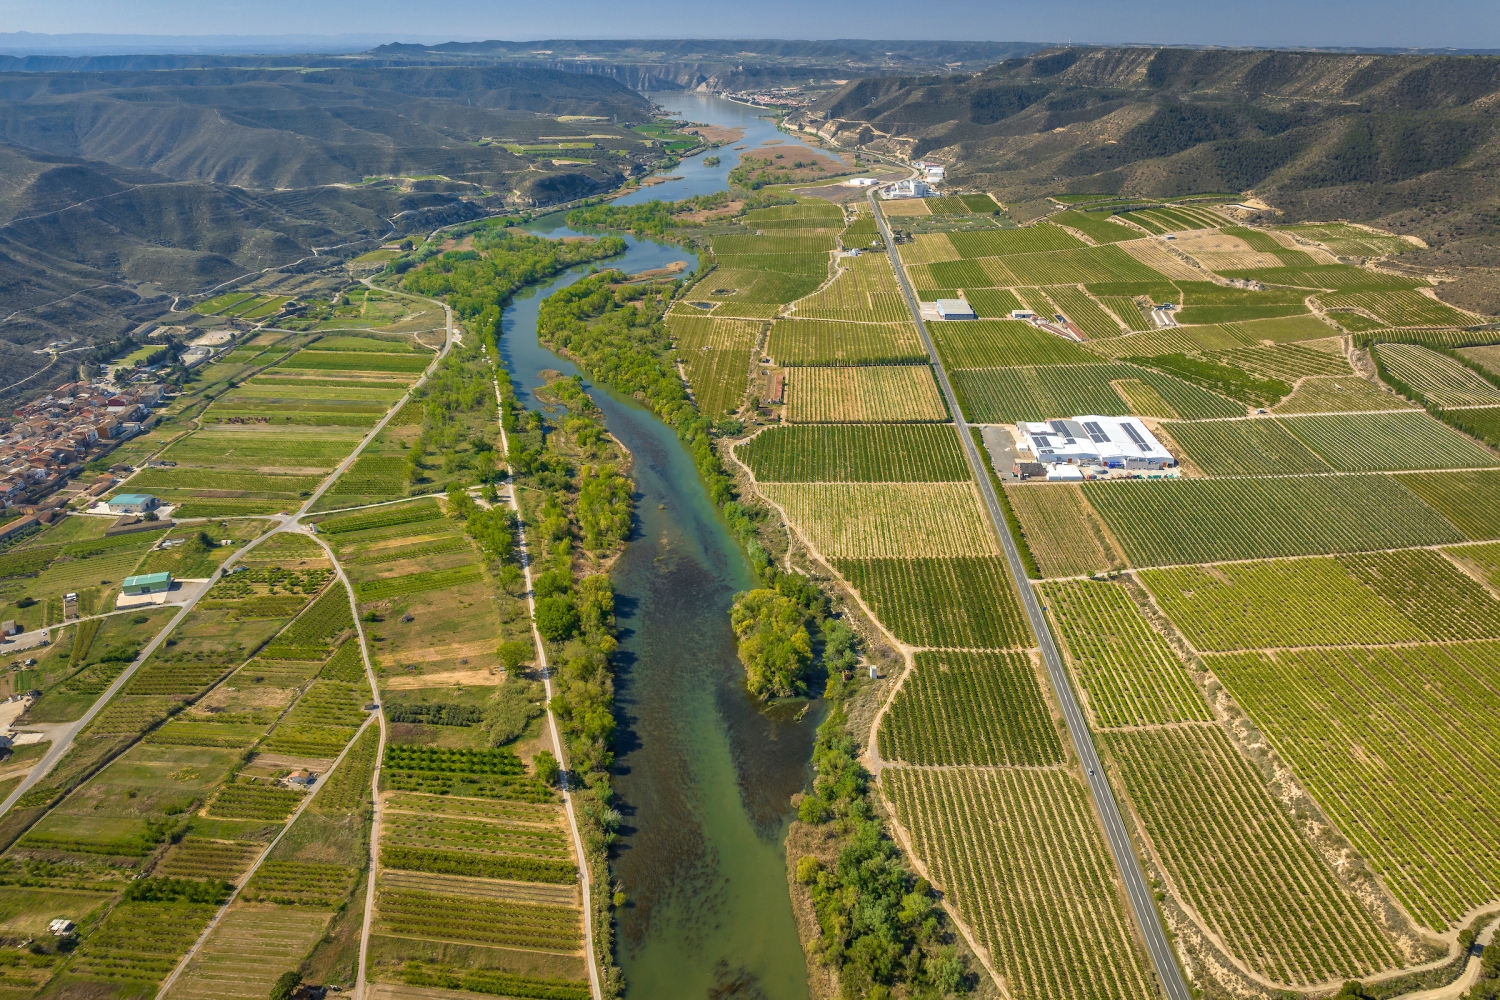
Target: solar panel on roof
x=1135, y=436
x=1096, y=432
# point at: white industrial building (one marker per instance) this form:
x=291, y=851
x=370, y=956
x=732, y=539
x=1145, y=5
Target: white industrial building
x=908, y=189
x=955, y=309
x=1093, y=447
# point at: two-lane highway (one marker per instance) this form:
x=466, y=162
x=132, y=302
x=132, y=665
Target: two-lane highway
x=1141, y=899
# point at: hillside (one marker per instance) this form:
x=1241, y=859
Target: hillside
x=1408, y=143
x=120, y=190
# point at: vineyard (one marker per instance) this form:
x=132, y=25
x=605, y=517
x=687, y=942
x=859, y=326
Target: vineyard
x=928, y=248
x=249, y=800
x=1399, y=307
x=887, y=520
x=1470, y=500
x=247, y=951
x=356, y=361
x=1339, y=395
x=971, y=708
x=1429, y=832
x=1244, y=448
x=1004, y=343
x=454, y=917
x=1019, y=854
x=874, y=453
x=1436, y=377
x=1008, y=395
x=954, y=603
x=1096, y=226
x=1260, y=605
x=1287, y=362
x=829, y=342
x=301, y=883
x=403, y=514
x=718, y=379
x=880, y=393
x=1084, y=312
x=1261, y=888
x=1004, y=242
x=140, y=942
x=1209, y=520
x=1059, y=528
x=489, y=774
x=1129, y=674
x=865, y=289
x=1429, y=591
x=1382, y=442
x=200, y=858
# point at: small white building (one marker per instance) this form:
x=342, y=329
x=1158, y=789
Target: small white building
x=861, y=182
x=1110, y=444
x=955, y=309
x=935, y=173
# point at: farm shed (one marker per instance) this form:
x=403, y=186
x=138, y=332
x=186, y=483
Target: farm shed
x=149, y=583
x=955, y=309
x=133, y=503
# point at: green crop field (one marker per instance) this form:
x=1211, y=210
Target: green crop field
x=829, y=342
x=1348, y=393
x=248, y=950
x=1234, y=855
x=1256, y=605
x=1430, y=592
x=244, y=800
x=139, y=944
x=355, y=361
x=1084, y=312
x=957, y=603
x=1381, y=442
x=195, y=857
x=1003, y=242
x=876, y=453
x=266, y=450
x=719, y=380
x=1287, y=362
x=1174, y=219
x=1059, y=528
x=1004, y=343
x=971, y=708
x=1418, y=826
x=1006, y=395
x=887, y=520
x=1244, y=447
x=1400, y=307
x=892, y=393
x=1017, y=851
x=1126, y=309
x=1129, y=674
x=989, y=303
x=456, y=917
x=1096, y=226
x=1206, y=520
x=1437, y=377
x=728, y=246
x=1470, y=500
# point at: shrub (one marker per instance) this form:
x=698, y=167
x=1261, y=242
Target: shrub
x=547, y=769
x=285, y=984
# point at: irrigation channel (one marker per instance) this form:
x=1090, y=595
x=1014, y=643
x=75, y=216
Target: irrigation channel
x=705, y=774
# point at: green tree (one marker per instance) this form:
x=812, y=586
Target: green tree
x=285, y=984
x=774, y=644
x=556, y=618
x=547, y=769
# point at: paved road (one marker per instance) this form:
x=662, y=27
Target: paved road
x=1141, y=899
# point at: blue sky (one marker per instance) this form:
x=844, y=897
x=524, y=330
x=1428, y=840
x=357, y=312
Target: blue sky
x=1435, y=23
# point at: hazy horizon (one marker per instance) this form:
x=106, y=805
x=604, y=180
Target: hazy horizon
x=1467, y=25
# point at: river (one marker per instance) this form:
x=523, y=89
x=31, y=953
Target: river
x=704, y=773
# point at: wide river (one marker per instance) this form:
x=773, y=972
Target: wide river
x=704, y=773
